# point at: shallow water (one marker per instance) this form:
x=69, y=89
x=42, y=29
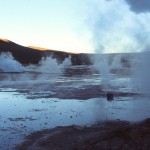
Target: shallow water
x=29, y=102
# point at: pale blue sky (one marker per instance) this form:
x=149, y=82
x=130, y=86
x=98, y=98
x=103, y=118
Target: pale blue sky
x=46, y=23
x=75, y=25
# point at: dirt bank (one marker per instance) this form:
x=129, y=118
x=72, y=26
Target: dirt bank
x=110, y=135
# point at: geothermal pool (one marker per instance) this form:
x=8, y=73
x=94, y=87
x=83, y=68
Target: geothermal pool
x=32, y=101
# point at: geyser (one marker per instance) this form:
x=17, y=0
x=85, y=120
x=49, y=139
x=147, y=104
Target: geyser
x=46, y=68
x=46, y=65
x=9, y=64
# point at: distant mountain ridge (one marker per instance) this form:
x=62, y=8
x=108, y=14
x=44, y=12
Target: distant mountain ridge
x=22, y=54
x=32, y=55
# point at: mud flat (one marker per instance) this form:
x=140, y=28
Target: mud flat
x=112, y=135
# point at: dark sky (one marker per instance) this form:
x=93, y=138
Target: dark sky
x=139, y=6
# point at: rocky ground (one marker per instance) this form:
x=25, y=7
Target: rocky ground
x=109, y=135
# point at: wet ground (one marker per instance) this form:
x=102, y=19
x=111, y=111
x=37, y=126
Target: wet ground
x=110, y=135
x=32, y=101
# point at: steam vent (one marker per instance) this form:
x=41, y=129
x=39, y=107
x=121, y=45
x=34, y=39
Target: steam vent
x=110, y=96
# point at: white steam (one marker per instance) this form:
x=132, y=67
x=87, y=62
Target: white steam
x=9, y=64
x=112, y=64
x=47, y=65
x=102, y=66
x=113, y=27
x=142, y=73
x=116, y=28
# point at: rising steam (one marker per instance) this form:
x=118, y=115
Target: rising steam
x=114, y=27
x=120, y=26
x=9, y=64
x=48, y=65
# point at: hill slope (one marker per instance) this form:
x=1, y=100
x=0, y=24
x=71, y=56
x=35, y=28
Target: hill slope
x=32, y=55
